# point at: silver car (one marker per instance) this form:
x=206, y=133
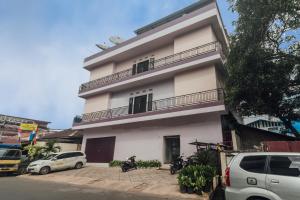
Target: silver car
x=263, y=176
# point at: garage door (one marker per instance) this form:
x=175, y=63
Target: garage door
x=100, y=150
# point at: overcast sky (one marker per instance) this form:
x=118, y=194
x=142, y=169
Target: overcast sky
x=43, y=44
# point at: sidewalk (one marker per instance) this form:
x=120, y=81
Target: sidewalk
x=148, y=181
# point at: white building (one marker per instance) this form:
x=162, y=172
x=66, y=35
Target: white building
x=152, y=95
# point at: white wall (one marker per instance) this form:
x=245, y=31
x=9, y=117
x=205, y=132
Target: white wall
x=147, y=142
x=160, y=90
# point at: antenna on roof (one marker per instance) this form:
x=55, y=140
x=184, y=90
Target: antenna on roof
x=116, y=40
x=102, y=46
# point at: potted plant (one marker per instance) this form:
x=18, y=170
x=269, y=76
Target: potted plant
x=199, y=184
x=208, y=172
x=190, y=186
x=183, y=182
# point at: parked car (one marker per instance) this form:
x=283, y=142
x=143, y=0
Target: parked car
x=263, y=176
x=58, y=161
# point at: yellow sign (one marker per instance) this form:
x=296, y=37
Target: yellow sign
x=28, y=127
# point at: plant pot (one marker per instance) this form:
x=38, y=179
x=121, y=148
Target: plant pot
x=183, y=188
x=207, y=187
x=199, y=192
x=190, y=190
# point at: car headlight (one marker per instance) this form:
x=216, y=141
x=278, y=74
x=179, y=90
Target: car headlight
x=33, y=165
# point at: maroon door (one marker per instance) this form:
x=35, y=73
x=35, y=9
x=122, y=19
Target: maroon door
x=100, y=150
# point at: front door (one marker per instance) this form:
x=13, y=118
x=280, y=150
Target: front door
x=100, y=150
x=140, y=104
x=172, y=148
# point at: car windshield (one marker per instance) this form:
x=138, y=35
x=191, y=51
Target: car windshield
x=10, y=154
x=49, y=157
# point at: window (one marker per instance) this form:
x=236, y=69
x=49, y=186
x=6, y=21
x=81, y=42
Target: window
x=140, y=104
x=76, y=154
x=285, y=165
x=143, y=66
x=62, y=156
x=255, y=164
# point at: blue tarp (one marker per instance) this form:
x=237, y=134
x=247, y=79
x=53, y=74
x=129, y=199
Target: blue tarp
x=297, y=125
x=10, y=146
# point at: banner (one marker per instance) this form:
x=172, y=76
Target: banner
x=28, y=127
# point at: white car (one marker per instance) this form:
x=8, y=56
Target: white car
x=263, y=176
x=58, y=161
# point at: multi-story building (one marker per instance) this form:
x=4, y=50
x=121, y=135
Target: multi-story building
x=152, y=95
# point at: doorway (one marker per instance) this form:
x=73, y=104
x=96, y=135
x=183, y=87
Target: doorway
x=172, y=148
x=140, y=104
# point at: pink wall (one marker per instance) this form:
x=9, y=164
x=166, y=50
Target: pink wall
x=146, y=140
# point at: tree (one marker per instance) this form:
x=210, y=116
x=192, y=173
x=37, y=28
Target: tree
x=264, y=59
x=51, y=147
x=35, y=152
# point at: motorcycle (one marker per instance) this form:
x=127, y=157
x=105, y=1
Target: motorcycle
x=129, y=164
x=179, y=164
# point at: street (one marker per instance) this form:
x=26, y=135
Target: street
x=12, y=188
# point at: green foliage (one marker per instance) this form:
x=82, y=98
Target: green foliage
x=196, y=176
x=263, y=62
x=115, y=163
x=36, y=152
x=140, y=163
x=206, y=157
x=51, y=147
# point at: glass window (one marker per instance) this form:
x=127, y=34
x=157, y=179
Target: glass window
x=285, y=165
x=255, y=164
x=62, y=156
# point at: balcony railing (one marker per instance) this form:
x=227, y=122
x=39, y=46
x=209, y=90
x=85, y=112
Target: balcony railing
x=163, y=105
x=158, y=64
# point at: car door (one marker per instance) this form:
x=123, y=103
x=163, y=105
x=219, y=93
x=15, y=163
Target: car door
x=283, y=176
x=251, y=172
x=59, y=162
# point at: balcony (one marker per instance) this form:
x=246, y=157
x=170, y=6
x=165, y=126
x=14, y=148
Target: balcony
x=169, y=105
x=157, y=65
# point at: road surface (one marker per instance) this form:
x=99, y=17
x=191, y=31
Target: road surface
x=18, y=188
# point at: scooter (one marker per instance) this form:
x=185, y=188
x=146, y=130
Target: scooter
x=129, y=164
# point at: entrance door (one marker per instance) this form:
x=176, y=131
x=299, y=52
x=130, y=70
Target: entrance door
x=172, y=148
x=100, y=150
x=140, y=104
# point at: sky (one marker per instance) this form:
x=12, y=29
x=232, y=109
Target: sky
x=43, y=44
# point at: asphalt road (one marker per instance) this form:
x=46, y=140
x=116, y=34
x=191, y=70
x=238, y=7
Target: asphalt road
x=17, y=188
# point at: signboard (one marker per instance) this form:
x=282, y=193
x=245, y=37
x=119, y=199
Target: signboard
x=28, y=127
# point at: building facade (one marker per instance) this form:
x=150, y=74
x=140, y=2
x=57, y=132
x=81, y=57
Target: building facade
x=153, y=94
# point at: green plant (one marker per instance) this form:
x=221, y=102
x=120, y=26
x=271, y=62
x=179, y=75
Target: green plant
x=139, y=163
x=50, y=147
x=197, y=177
x=34, y=151
x=115, y=163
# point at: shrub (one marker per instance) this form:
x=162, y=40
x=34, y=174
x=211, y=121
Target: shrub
x=115, y=163
x=140, y=163
x=197, y=177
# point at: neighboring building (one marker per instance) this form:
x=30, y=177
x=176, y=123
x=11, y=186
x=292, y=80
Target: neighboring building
x=155, y=93
x=9, y=126
x=266, y=122
x=68, y=140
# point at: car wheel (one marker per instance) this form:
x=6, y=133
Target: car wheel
x=44, y=170
x=78, y=165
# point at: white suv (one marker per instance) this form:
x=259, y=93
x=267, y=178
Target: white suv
x=263, y=176
x=58, y=161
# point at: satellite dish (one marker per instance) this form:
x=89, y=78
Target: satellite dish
x=102, y=46
x=116, y=40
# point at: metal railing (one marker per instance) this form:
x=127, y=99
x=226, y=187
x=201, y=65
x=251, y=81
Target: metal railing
x=160, y=63
x=167, y=104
